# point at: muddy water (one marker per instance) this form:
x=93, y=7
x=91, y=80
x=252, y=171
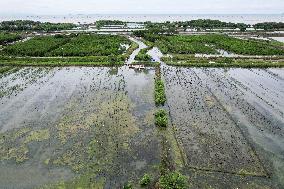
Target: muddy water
x=60, y=123
x=97, y=124
x=229, y=124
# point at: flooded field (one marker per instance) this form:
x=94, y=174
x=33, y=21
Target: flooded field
x=94, y=127
x=59, y=123
x=229, y=124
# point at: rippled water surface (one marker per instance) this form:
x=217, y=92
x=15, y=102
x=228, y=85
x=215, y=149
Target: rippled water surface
x=226, y=126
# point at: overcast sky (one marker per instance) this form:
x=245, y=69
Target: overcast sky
x=141, y=6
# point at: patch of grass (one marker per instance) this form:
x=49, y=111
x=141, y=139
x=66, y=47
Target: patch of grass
x=143, y=56
x=161, y=118
x=173, y=180
x=145, y=180
x=81, y=182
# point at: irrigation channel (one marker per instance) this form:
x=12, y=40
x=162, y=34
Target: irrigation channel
x=226, y=126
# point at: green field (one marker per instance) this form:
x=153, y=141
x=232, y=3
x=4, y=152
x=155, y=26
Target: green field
x=37, y=46
x=8, y=37
x=69, y=50
x=207, y=44
x=92, y=45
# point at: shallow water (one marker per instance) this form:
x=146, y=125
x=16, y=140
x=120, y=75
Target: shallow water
x=229, y=122
x=63, y=121
x=226, y=130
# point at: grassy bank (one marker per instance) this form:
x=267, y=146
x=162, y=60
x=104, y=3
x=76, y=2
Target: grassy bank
x=5, y=69
x=57, y=63
x=225, y=62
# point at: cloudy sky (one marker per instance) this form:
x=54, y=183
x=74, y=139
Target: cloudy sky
x=141, y=6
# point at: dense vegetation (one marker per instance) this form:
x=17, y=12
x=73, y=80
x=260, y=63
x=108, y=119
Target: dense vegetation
x=28, y=25
x=211, y=24
x=269, y=26
x=73, y=45
x=206, y=44
x=93, y=45
x=8, y=38
x=208, y=24
x=37, y=46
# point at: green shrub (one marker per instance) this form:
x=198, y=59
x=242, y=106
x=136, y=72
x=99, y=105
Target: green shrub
x=161, y=119
x=174, y=180
x=145, y=180
x=128, y=186
x=160, y=96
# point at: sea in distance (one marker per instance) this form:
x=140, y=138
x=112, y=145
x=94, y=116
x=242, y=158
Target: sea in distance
x=87, y=19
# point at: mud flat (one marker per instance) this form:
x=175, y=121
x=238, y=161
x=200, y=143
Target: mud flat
x=71, y=127
x=61, y=124
x=229, y=124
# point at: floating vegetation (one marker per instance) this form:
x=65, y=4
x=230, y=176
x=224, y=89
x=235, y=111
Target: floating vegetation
x=14, y=144
x=100, y=126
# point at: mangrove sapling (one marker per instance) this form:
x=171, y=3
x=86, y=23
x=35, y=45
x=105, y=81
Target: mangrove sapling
x=173, y=180
x=128, y=186
x=161, y=118
x=160, y=96
x=145, y=180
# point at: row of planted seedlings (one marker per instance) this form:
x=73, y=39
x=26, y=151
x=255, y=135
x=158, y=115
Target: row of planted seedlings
x=169, y=177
